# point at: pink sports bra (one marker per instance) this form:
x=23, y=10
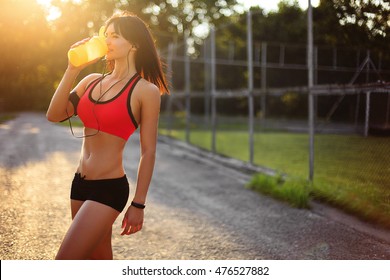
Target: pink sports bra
x=113, y=116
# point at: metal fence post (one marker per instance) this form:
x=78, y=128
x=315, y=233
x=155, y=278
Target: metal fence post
x=213, y=92
x=367, y=118
x=263, y=79
x=310, y=86
x=187, y=73
x=250, y=86
x=206, y=61
x=170, y=97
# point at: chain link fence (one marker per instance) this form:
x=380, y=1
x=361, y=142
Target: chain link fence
x=212, y=102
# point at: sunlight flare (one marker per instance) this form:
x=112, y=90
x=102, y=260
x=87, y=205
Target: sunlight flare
x=52, y=12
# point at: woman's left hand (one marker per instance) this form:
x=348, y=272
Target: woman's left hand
x=132, y=221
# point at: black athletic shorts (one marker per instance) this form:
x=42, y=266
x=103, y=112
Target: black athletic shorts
x=110, y=192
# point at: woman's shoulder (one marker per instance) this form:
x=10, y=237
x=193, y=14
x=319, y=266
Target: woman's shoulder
x=147, y=89
x=147, y=94
x=87, y=80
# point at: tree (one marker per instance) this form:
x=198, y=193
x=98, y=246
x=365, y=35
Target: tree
x=25, y=47
x=346, y=22
x=34, y=49
x=372, y=16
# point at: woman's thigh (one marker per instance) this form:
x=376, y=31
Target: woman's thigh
x=91, y=223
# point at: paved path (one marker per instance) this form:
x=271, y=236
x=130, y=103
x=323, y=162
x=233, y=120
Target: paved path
x=196, y=209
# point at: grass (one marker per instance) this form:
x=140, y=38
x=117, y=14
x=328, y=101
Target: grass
x=294, y=191
x=351, y=172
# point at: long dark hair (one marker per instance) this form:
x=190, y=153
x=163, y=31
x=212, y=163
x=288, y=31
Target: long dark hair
x=147, y=61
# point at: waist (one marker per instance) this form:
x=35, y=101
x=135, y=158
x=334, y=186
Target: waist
x=100, y=182
x=99, y=166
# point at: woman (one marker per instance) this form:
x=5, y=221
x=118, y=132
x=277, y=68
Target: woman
x=111, y=107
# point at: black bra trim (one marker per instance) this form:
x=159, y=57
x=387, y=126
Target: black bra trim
x=129, y=102
x=115, y=97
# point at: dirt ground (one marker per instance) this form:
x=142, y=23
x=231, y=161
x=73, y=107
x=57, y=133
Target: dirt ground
x=196, y=209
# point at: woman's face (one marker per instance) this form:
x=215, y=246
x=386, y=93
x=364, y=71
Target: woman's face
x=118, y=47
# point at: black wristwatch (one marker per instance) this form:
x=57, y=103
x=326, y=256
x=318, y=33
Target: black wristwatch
x=138, y=205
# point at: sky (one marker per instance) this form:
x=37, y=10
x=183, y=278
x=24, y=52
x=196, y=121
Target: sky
x=272, y=5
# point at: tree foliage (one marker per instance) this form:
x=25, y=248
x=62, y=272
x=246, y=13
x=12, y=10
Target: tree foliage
x=25, y=46
x=353, y=22
x=369, y=15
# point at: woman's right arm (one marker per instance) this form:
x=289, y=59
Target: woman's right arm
x=60, y=108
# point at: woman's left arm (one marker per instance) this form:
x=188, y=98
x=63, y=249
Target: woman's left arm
x=150, y=109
